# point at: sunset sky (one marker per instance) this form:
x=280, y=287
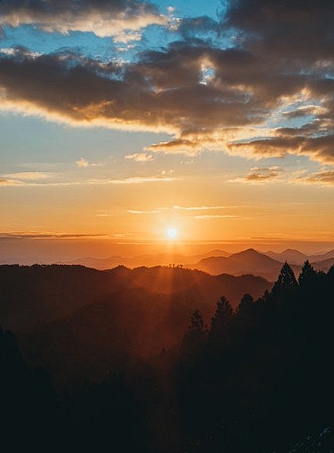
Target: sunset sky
x=120, y=119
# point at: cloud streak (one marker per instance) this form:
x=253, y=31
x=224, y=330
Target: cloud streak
x=138, y=212
x=200, y=208
x=214, y=216
x=125, y=181
x=122, y=19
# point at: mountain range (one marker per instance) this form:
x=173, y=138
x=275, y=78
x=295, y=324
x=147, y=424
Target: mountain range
x=250, y=261
x=75, y=321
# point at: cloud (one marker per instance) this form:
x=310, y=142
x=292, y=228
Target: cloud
x=318, y=148
x=260, y=175
x=90, y=182
x=132, y=211
x=122, y=19
x=140, y=157
x=325, y=177
x=299, y=29
x=84, y=163
x=29, y=175
x=143, y=179
x=304, y=110
x=199, y=208
x=161, y=92
x=46, y=235
x=214, y=216
x=272, y=66
x=182, y=208
x=190, y=27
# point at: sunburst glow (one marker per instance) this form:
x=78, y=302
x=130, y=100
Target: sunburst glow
x=172, y=233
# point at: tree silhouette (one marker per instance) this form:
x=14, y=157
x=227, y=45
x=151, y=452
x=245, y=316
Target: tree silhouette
x=307, y=273
x=286, y=279
x=195, y=337
x=219, y=330
x=246, y=304
x=222, y=315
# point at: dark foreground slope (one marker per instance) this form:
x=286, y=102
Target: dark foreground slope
x=258, y=379
x=40, y=294
x=78, y=322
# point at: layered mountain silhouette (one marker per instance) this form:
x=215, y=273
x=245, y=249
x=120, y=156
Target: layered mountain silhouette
x=296, y=257
x=138, y=349
x=248, y=261
x=161, y=259
x=76, y=321
x=290, y=255
x=251, y=261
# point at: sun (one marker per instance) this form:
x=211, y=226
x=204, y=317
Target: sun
x=172, y=233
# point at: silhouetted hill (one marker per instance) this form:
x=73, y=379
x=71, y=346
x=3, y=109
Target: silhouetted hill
x=161, y=259
x=37, y=294
x=290, y=255
x=320, y=261
x=256, y=378
x=34, y=294
x=77, y=321
x=247, y=262
x=323, y=256
x=324, y=265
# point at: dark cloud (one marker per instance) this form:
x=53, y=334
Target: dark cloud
x=208, y=95
x=190, y=27
x=302, y=29
x=319, y=148
x=102, y=17
x=162, y=90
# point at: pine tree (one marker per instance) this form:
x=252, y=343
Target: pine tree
x=286, y=279
x=219, y=331
x=307, y=273
x=222, y=315
x=195, y=337
x=246, y=304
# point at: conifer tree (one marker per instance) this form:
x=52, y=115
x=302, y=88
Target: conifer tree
x=195, y=337
x=246, y=304
x=286, y=279
x=307, y=273
x=219, y=331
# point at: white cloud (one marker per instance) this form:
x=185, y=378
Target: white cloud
x=84, y=163
x=140, y=157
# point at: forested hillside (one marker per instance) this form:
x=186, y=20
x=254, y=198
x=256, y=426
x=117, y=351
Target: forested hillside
x=257, y=377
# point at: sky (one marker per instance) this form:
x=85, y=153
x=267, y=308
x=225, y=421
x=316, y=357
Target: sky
x=121, y=119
